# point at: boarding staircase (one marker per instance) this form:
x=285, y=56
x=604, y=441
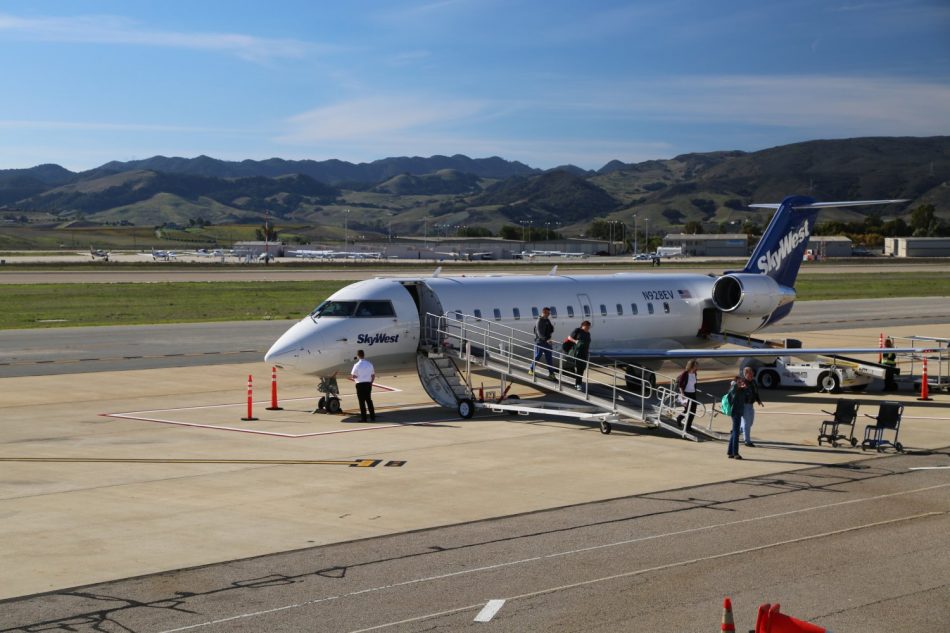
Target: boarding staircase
x=455, y=345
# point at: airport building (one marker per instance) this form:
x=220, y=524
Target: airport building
x=917, y=246
x=822, y=246
x=709, y=244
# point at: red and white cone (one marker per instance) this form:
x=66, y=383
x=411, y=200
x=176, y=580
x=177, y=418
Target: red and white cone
x=727, y=622
x=924, y=388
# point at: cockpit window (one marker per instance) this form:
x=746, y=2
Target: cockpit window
x=334, y=309
x=354, y=309
x=375, y=309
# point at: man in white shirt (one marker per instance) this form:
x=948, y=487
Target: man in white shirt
x=364, y=374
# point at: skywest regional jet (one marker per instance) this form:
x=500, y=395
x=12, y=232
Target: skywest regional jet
x=641, y=319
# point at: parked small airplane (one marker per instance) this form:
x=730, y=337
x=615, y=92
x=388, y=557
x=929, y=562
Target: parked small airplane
x=557, y=254
x=641, y=320
x=98, y=253
x=160, y=256
x=313, y=254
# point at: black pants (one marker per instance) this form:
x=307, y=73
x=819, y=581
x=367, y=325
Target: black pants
x=689, y=410
x=580, y=366
x=364, y=395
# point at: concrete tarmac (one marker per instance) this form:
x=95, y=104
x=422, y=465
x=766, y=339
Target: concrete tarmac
x=131, y=473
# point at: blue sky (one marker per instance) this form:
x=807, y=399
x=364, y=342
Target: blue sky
x=545, y=82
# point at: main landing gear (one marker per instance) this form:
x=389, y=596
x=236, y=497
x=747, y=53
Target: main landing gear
x=329, y=403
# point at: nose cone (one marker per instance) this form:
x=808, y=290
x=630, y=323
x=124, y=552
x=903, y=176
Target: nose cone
x=293, y=349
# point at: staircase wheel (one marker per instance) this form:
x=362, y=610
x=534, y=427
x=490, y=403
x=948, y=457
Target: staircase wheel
x=513, y=400
x=605, y=427
x=466, y=409
x=854, y=442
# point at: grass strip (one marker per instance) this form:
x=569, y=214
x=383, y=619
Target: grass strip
x=78, y=304
x=51, y=305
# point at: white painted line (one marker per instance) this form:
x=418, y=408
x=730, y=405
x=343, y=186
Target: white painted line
x=930, y=468
x=489, y=611
x=379, y=427
x=552, y=555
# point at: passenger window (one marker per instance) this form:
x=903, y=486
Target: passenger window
x=570, y=312
x=534, y=312
x=603, y=310
x=553, y=312
x=650, y=307
x=497, y=312
x=516, y=313
x=633, y=308
x=478, y=314
x=619, y=309
x=666, y=307
x=586, y=310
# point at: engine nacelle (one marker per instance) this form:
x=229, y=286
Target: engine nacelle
x=749, y=295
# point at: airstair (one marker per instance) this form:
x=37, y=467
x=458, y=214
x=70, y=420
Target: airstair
x=454, y=346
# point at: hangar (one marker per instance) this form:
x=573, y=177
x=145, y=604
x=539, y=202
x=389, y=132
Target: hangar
x=917, y=246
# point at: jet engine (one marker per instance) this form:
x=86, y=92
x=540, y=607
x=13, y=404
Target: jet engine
x=748, y=299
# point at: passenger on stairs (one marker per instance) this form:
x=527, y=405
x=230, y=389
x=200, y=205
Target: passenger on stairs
x=543, y=331
x=580, y=353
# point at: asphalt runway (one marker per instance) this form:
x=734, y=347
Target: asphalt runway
x=856, y=547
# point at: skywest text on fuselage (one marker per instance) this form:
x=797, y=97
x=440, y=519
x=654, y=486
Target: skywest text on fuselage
x=372, y=339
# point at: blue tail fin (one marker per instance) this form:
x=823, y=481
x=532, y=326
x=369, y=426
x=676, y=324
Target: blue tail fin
x=779, y=253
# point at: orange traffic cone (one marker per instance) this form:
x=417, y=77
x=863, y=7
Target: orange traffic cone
x=924, y=389
x=770, y=620
x=727, y=622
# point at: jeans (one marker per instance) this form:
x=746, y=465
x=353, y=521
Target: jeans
x=543, y=348
x=734, y=435
x=748, y=417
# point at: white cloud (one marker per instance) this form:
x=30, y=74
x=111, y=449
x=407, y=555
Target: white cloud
x=110, y=29
x=367, y=119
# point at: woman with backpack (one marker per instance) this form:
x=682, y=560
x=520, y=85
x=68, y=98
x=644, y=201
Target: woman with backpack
x=735, y=398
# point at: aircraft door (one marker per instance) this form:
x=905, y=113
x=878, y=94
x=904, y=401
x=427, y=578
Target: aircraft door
x=587, y=313
x=428, y=303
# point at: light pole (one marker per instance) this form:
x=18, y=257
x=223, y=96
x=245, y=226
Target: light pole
x=636, y=251
x=346, y=222
x=646, y=233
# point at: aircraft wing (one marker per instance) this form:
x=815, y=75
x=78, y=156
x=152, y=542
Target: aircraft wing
x=684, y=354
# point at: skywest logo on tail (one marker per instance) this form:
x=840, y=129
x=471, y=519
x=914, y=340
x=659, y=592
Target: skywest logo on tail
x=773, y=260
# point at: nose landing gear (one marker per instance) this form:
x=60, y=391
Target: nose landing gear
x=331, y=402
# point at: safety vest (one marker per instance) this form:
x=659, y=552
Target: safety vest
x=889, y=359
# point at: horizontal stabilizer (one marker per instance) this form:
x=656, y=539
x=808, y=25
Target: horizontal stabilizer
x=825, y=205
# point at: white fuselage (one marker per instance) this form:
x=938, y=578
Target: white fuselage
x=628, y=311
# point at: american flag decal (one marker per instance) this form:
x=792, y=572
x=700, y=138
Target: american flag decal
x=684, y=294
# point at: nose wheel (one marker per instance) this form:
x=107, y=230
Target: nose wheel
x=329, y=403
